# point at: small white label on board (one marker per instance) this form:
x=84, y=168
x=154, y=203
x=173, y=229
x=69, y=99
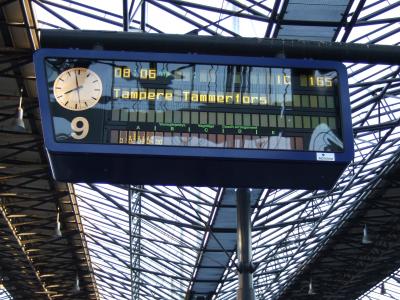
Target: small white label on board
x=325, y=156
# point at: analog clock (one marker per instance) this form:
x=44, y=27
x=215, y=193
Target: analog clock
x=77, y=89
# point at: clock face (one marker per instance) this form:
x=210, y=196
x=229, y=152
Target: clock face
x=77, y=89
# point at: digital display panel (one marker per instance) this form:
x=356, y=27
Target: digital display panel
x=207, y=105
x=193, y=119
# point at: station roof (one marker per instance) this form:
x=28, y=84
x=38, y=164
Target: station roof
x=175, y=242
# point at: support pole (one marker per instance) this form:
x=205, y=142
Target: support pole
x=143, y=16
x=244, y=248
x=126, y=16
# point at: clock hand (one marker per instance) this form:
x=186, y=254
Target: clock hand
x=77, y=87
x=74, y=89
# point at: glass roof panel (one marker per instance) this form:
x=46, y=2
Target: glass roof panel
x=155, y=246
x=4, y=295
x=387, y=289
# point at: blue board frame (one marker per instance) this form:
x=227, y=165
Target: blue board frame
x=230, y=156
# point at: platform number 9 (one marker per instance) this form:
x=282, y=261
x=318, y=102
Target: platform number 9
x=80, y=128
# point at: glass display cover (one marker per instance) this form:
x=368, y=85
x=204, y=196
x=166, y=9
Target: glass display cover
x=194, y=105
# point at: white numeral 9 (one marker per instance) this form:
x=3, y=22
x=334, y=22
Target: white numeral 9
x=80, y=128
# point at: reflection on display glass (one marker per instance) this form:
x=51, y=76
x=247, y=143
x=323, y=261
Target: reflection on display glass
x=194, y=105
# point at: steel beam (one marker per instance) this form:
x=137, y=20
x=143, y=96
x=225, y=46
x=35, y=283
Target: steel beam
x=137, y=41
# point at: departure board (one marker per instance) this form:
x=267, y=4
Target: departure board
x=209, y=106
x=194, y=105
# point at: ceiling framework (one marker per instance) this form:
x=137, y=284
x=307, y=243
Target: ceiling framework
x=34, y=263
x=154, y=242
x=386, y=289
x=335, y=273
